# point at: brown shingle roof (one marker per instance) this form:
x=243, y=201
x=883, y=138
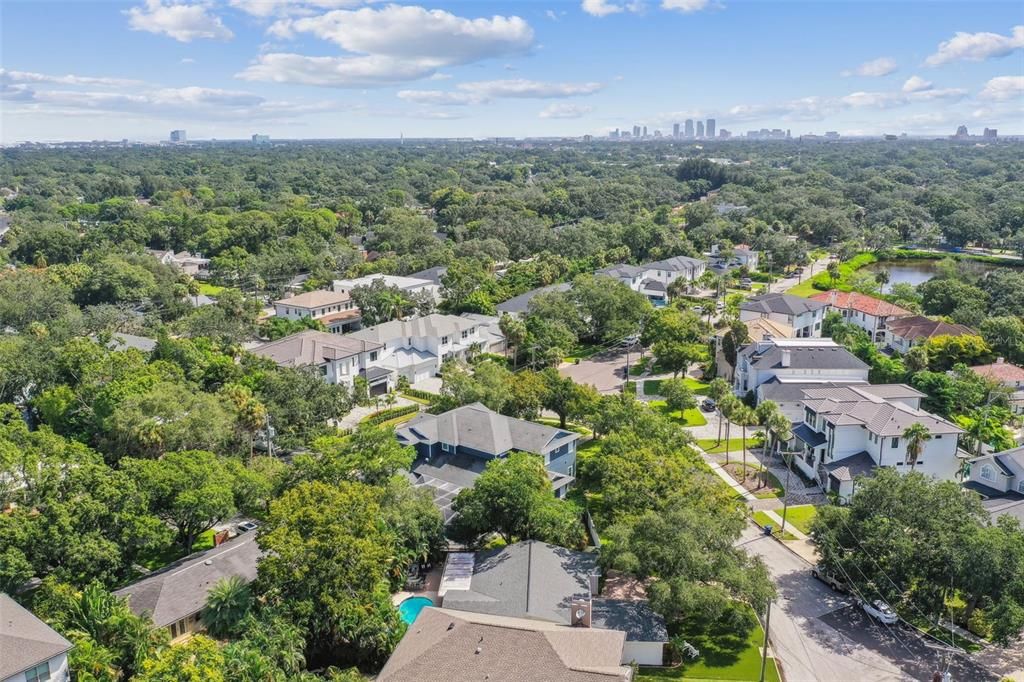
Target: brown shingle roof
x=311, y=347
x=314, y=299
x=1003, y=372
x=25, y=641
x=920, y=327
x=454, y=646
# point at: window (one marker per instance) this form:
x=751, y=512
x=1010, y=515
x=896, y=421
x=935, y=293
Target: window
x=444, y=340
x=373, y=355
x=938, y=436
x=988, y=472
x=465, y=334
x=572, y=471
x=445, y=447
x=1020, y=486
x=40, y=673
x=895, y=442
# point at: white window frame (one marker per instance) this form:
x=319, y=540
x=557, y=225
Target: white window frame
x=988, y=472
x=39, y=673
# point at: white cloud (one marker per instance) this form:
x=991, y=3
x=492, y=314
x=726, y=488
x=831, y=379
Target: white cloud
x=180, y=21
x=916, y=84
x=187, y=60
x=481, y=92
x=32, y=77
x=1003, y=88
x=882, y=66
x=976, y=47
x=601, y=8
x=269, y=8
x=685, y=6
x=565, y=111
x=553, y=15
x=393, y=44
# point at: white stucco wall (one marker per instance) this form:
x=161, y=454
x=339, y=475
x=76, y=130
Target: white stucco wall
x=644, y=653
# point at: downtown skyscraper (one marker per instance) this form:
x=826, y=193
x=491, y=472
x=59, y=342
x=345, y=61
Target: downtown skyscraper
x=711, y=128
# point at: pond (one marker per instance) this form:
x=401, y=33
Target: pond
x=915, y=272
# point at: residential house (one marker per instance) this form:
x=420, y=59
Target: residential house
x=544, y=582
x=434, y=275
x=795, y=361
x=174, y=596
x=746, y=256
x=334, y=309
x=518, y=306
x=189, y=263
x=120, y=341
x=443, y=645
x=758, y=328
x=802, y=314
x=453, y=448
x=1008, y=375
x=999, y=478
x=409, y=285
x=415, y=348
x=339, y=359
x=867, y=312
x=653, y=279
x=906, y=332
x=30, y=650
x=848, y=431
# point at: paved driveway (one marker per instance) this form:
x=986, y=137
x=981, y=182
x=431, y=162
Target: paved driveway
x=604, y=371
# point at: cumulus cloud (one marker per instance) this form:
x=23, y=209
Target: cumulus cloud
x=480, y=92
x=882, y=66
x=819, y=108
x=183, y=22
x=564, y=111
x=1003, y=88
x=916, y=84
x=976, y=47
x=390, y=45
x=601, y=8
x=685, y=6
x=269, y=8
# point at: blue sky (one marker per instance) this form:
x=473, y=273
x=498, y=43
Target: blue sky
x=348, y=68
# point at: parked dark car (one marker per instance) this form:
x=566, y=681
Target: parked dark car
x=707, y=405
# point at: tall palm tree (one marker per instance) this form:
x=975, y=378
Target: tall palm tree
x=882, y=278
x=916, y=436
x=728, y=407
x=745, y=416
x=227, y=603
x=717, y=390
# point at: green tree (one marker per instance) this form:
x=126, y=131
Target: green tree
x=197, y=660
x=513, y=498
x=370, y=454
x=191, y=490
x=227, y=604
x=561, y=394
x=678, y=396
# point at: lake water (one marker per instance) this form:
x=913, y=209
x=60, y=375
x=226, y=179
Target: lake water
x=914, y=272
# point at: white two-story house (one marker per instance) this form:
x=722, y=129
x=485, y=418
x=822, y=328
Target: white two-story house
x=802, y=314
x=339, y=359
x=653, y=279
x=334, y=309
x=848, y=431
x=867, y=312
x=410, y=285
x=416, y=348
x=1007, y=375
x=998, y=473
x=811, y=361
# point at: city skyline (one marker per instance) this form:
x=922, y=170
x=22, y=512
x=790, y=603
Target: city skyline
x=304, y=69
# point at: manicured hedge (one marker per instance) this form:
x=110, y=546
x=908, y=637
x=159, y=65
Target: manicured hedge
x=416, y=393
x=390, y=413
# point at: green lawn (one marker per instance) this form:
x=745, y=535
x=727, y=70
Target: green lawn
x=652, y=386
x=207, y=289
x=805, y=289
x=159, y=559
x=690, y=417
x=630, y=388
x=712, y=446
x=762, y=519
x=774, y=487
x=800, y=517
x=582, y=352
x=725, y=654
x=639, y=368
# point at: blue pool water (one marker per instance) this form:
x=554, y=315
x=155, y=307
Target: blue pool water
x=411, y=607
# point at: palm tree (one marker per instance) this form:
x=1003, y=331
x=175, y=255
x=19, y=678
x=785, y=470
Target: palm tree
x=717, y=390
x=833, y=272
x=227, y=603
x=728, y=407
x=916, y=435
x=745, y=416
x=882, y=278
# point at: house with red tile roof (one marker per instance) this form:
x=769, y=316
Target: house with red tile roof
x=905, y=332
x=867, y=312
x=1009, y=375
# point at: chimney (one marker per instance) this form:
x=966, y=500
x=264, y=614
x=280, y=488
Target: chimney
x=580, y=612
x=595, y=579
x=787, y=359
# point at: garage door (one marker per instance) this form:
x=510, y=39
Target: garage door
x=421, y=376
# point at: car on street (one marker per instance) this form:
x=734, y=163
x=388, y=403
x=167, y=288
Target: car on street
x=880, y=611
x=246, y=526
x=629, y=341
x=829, y=579
x=707, y=405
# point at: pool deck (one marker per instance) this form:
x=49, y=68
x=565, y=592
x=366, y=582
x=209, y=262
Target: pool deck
x=430, y=587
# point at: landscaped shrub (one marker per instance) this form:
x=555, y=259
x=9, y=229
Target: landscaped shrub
x=421, y=394
x=390, y=413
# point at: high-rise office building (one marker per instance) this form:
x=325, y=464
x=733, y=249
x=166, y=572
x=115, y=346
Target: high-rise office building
x=991, y=134
x=711, y=128
x=178, y=136
x=636, y=131
x=675, y=130
x=260, y=139
x=688, y=129
x=700, y=128
x=645, y=131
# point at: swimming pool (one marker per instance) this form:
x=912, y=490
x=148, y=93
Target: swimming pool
x=411, y=607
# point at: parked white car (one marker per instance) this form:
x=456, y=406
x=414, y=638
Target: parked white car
x=880, y=611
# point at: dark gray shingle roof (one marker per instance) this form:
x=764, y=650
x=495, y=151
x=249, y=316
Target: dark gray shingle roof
x=849, y=468
x=476, y=427
x=521, y=303
x=634, y=617
x=782, y=304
